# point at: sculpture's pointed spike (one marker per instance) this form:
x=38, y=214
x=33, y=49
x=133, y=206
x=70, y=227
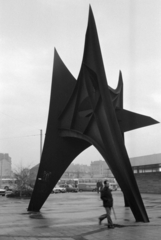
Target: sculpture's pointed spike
x=120, y=78
x=130, y=120
x=56, y=55
x=120, y=82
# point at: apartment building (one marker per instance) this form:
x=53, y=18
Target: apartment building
x=5, y=165
x=100, y=169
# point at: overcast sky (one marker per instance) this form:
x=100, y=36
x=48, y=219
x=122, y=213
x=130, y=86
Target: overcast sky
x=130, y=39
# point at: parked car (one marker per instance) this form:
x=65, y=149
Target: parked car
x=25, y=193
x=2, y=192
x=8, y=192
x=69, y=187
x=59, y=189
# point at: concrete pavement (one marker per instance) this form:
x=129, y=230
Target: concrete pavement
x=74, y=216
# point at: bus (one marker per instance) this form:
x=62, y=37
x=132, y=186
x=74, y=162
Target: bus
x=89, y=181
x=93, y=181
x=8, y=183
x=74, y=182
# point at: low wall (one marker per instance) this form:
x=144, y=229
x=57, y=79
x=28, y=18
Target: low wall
x=149, y=182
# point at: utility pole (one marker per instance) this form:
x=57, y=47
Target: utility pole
x=40, y=142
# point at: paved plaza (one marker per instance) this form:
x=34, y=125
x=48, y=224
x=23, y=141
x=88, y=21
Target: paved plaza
x=74, y=216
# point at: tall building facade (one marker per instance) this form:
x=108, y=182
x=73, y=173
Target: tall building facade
x=5, y=165
x=100, y=169
x=76, y=171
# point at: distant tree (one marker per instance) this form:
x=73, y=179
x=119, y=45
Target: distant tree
x=23, y=180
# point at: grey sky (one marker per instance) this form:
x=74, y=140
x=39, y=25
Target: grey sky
x=130, y=39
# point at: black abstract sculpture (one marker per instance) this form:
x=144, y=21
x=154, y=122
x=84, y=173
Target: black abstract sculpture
x=83, y=113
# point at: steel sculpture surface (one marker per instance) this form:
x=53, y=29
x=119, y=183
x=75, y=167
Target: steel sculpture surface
x=83, y=113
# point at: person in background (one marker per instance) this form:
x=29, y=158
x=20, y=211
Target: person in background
x=97, y=186
x=101, y=186
x=107, y=199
